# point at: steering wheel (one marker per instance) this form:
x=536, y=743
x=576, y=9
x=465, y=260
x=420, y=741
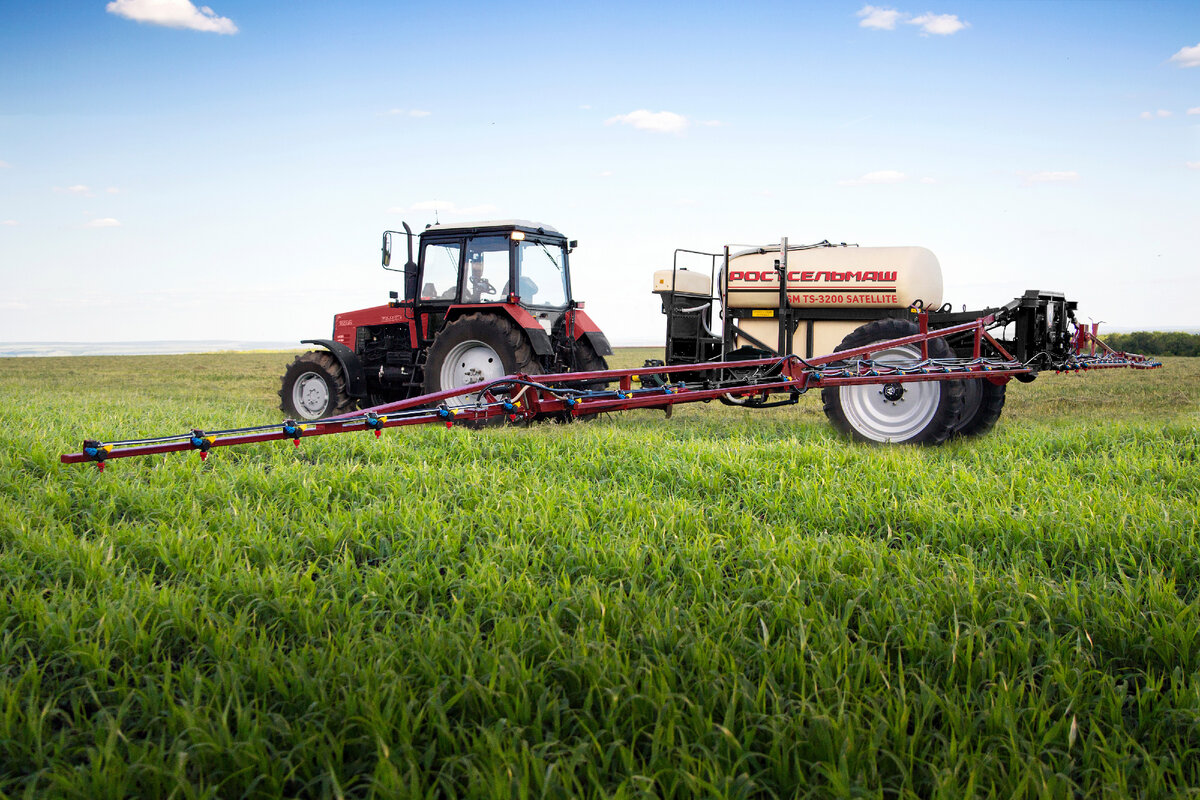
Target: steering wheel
x=482, y=285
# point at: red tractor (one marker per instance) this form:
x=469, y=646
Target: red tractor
x=482, y=300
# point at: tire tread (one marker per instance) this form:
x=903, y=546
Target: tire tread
x=327, y=363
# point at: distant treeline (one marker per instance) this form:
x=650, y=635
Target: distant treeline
x=1155, y=343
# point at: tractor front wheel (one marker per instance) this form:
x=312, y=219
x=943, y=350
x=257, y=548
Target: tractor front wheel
x=314, y=387
x=477, y=348
x=923, y=412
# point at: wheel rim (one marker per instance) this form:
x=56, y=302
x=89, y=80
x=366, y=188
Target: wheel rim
x=310, y=395
x=872, y=414
x=468, y=363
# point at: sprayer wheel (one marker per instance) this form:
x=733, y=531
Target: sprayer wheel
x=982, y=403
x=922, y=412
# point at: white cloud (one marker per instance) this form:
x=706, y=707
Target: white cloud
x=606, y=173
x=1195, y=110
x=77, y=189
x=928, y=180
x=712, y=123
x=1191, y=165
x=656, y=121
x=586, y=108
x=885, y=19
x=113, y=190
x=882, y=19
x=103, y=222
x=1162, y=113
x=407, y=112
x=1188, y=56
x=1065, y=176
x=939, y=24
x=10, y=223
x=4, y=165
x=879, y=176
x=172, y=14
x=447, y=207
x=432, y=205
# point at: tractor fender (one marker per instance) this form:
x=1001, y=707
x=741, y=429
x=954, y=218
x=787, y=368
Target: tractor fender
x=539, y=340
x=586, y=329
x=599, y=342
x=351, y=365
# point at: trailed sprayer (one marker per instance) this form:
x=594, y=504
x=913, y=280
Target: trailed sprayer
x=488, y=332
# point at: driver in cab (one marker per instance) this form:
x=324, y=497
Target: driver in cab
x=487, y=267
x=475, y=280
x=479, y=288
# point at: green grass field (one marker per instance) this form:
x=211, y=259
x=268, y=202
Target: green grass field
x=728, y=603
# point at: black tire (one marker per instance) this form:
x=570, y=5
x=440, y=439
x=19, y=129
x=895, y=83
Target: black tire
x=982, y=403
x=858, y=414
x=314, y=387
x=575, y=354
x=588, y=360
x=472, y=335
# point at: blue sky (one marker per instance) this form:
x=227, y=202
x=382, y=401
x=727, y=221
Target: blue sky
x=171, y=173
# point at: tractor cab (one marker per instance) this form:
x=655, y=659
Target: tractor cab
x=510, y=261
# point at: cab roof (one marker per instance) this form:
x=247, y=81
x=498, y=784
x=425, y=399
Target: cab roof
x=526, y=225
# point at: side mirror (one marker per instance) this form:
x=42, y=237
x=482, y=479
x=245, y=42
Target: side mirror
x=387, y=248
x=571, y=245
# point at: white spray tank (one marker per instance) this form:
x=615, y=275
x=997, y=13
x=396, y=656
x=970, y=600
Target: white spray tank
x=825, y=278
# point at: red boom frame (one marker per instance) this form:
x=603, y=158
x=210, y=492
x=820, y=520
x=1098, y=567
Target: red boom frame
x=526, y=398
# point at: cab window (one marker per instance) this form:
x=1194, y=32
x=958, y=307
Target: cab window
x=440, y=281
x=486, y=275
x=543, y=276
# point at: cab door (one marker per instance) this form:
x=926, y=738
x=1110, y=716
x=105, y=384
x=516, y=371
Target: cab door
x=438, y=281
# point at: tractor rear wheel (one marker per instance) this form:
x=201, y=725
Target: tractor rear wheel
x=475, y=348
x=923, y=412
x=314, y=386
x=982, y=403
x=588, y=360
